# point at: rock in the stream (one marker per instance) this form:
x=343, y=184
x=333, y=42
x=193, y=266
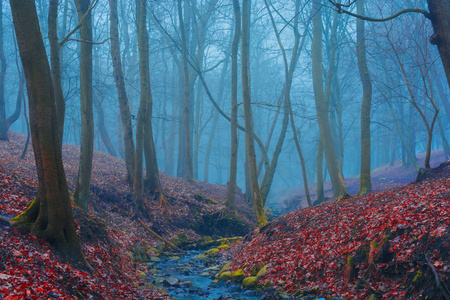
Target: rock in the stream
x=225, y=276
x=171, y=281
x=249, y=282
x=155, y=259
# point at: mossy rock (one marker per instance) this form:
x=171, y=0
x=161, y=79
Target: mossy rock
x=181, y=240
x=201, y=257
x=238, y=275
x=261, y=272
x=223, y=222
x=256, y=269
x=249, y=282
x=142, y=275
x=223, y=247
x=224, y=276
x=212, y=253
x=226, y=267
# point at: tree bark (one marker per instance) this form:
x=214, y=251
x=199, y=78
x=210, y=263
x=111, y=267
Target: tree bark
x=50, y=214
x=3, y=127
x=248, y=118
x=186, y=121
x=124, y=108
x=440, y=19
x=365, y=183
x=152, y=182
x=82, y=190
x=234, y=106
x=337, y=181
x=56, y=66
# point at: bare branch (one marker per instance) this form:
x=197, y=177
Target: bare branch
x=80, y=23
x=365, y=18
x=90, y=42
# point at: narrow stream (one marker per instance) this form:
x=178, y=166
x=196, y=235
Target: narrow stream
x=191, y=278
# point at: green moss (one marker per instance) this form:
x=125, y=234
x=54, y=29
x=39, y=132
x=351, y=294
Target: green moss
x=256, y=269
x=249, y=282
x=223, y=247
x=418, y=275
x=262, y=271
x=224, y=276
x=212, y=253
x=142, y=275
x=238, y=275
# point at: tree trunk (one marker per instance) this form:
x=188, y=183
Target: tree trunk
x=337, y=181
x=319, y=181
x=50, y=214
x=121, y=92
x=56, y=66
x=248, y=118
x=187, y=130
x=234, y=106
x=3, y=127
x=83, y=187
x=440, y=19
x=146, y=102
x=365, y=183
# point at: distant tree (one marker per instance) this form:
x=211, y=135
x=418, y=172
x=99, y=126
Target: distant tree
x=5, y=122
x=326, y=138
x=50, y=214
x=365, y=183
x=186, y=107
x=83, y=186
x=119, y=79
x=234, y=107
x=438, y=14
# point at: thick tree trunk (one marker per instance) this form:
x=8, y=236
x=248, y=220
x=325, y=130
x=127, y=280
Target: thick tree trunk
x=186, y=106
x=365, y=183
x=83, y=187
x=50, y=214
x=152, y=182
x=56, y=66
x=234, y=107
x=440, y=19
x=125, y=114
x=248, y=118
x=337, y=181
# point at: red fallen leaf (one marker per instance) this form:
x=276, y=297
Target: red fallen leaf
x=16, y=253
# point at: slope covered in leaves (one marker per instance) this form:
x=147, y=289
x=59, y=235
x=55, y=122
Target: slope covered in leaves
x=29, y=269
x=392, y=243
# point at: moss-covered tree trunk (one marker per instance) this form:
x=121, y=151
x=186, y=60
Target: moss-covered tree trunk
x=83, y=187
x=50, y=214
x=365, y=183
x=337, y=181
x=248, y=119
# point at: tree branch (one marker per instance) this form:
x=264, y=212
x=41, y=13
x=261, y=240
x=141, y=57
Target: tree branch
x=80, y=23
x=90, y=42
x=365, y=18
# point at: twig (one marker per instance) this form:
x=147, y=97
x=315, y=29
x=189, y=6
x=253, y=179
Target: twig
x=445, y=291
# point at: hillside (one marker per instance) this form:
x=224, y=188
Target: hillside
x=391, y=244
x=108, y=231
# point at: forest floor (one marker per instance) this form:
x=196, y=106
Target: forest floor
x=397, y=239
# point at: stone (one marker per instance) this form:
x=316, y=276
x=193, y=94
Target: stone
x=142, y=275
x=249, y=282
x=225, y=268
x=238, y=275
x=261, y=272
x=155, y=259
x=171, y=281
x=186, y=284
x=205, y=274
x=212, y=253
x=174, y=258
x=226, y=275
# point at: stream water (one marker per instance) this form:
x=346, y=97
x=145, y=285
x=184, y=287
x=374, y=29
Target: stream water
x=191, y=278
